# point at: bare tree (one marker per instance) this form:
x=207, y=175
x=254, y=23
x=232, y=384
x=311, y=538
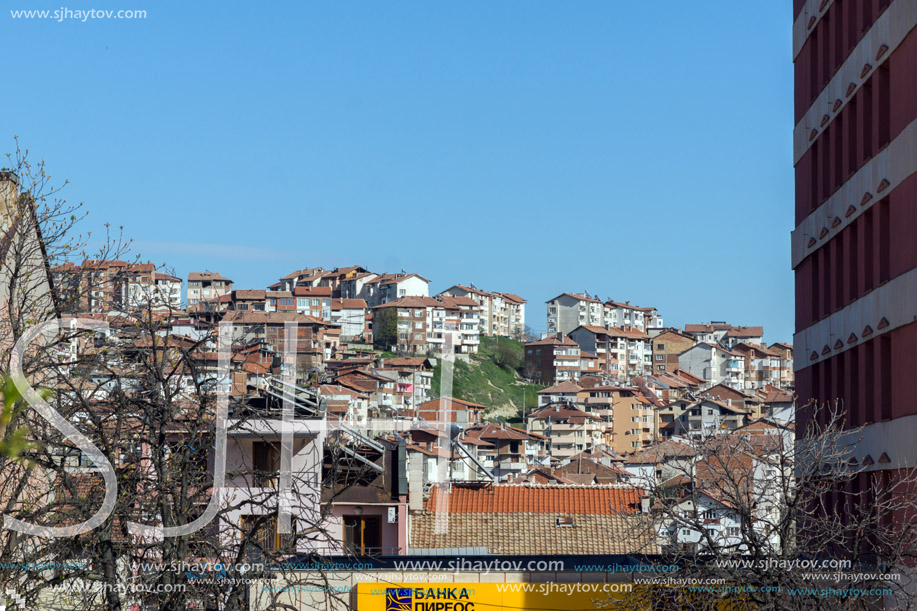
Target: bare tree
x=747, y=517
x=148, y=400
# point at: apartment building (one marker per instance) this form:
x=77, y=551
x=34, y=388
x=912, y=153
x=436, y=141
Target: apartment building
x=784, y=352
x=762, y=367
x=667, y=346
x=511, y=451
x=715, y=364
x=422, y=324
x=557, y=359
x=622, y=353
x=569, y=429
x=503, y=314
x=268, y=330
x=747, y=335
x=207, y=285
x=856, y=204
x=351, y=315
x=629, y=417
x=313, y=301
x=568, y=311
x=712, y=332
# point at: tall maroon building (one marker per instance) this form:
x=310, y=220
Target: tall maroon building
x=854, y=248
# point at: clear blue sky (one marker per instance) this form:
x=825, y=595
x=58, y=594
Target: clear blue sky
x=640, y=151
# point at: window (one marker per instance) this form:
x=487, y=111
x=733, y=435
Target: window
x=262, y=531
x=660, y=357
x=265, y=463
x=362, y=535
x=315, y=302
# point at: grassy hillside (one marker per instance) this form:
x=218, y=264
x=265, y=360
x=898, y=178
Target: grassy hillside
x=488, y=382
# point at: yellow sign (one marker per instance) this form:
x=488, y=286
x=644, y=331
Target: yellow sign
x=488, y=596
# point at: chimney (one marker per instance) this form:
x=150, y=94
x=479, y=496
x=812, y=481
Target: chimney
x=9, y=191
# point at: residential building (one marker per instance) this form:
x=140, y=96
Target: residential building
x=856, y=204
x=502, y=314
x=712, y=333
x=622, y=353
x=386, y=288
x=559, y=393
x=762, y=367
x=451, y=410
x=557, y=359
x=203, y=286
x=568, y=311
x=617, y=314
x=422, y=324
x=569, y=429
x=784, y=353
x=701, y=418
x=627, y=414
x=413, y=377
x=511, y=451
x=749, y=335
x=268, y=329
x=143, y=287
x=667, y=346
x=245, y=300
x=351, y=315
x=714, y=363
x=313, y=301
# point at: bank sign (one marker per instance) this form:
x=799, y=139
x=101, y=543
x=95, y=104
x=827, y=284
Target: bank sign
x=482, y=596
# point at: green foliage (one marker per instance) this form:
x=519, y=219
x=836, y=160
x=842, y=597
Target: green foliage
x=488, y=380
x=12, y=443
x=385, y=328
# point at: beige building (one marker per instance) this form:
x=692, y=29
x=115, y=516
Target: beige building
x=207, y=285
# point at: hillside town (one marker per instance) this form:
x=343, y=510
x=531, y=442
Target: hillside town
x=621, y=397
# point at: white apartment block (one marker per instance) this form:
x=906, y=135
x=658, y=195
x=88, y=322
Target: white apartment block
x=147, y=288
x=203, y=286
x=502, y=314
x=423, y=324
x=715, y=364
x=568, y=311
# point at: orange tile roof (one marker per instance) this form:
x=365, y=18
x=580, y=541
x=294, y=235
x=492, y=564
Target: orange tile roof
x=528, y=498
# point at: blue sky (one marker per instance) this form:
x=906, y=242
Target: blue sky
x=640, y=151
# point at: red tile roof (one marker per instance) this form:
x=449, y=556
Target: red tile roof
x=528, y=498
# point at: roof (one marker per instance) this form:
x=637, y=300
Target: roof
x=512, y=297
x=312, y=291
x=347, y=304
x=562, y=412
x=527, y=498
x=411, y=361
x=553, y=340
x=626, y=332
x=500, y=431
x=578, y=296
x=206, y=276
x=519, y=519
x=707, y=328
x=563, y=387
x=661, y=451
x=745, y=332
x=435, y=404
x=249, y=294
x=254, y=318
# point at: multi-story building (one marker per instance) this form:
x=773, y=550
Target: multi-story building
x=207, y=285
x=624, y=314
x=268, y=330
x=557, y=359
x=568, y=311
x=667, y=345
x=351, y=315
x=569, y=429
x=853, y=247
x=762, y=367
x=712, y=333
x=313, y=301
x=747, y=335
x=502, y=314
x=784, y=352
x=630, y=423
x=422, y=324
x=715, y=364
x=623, y=353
